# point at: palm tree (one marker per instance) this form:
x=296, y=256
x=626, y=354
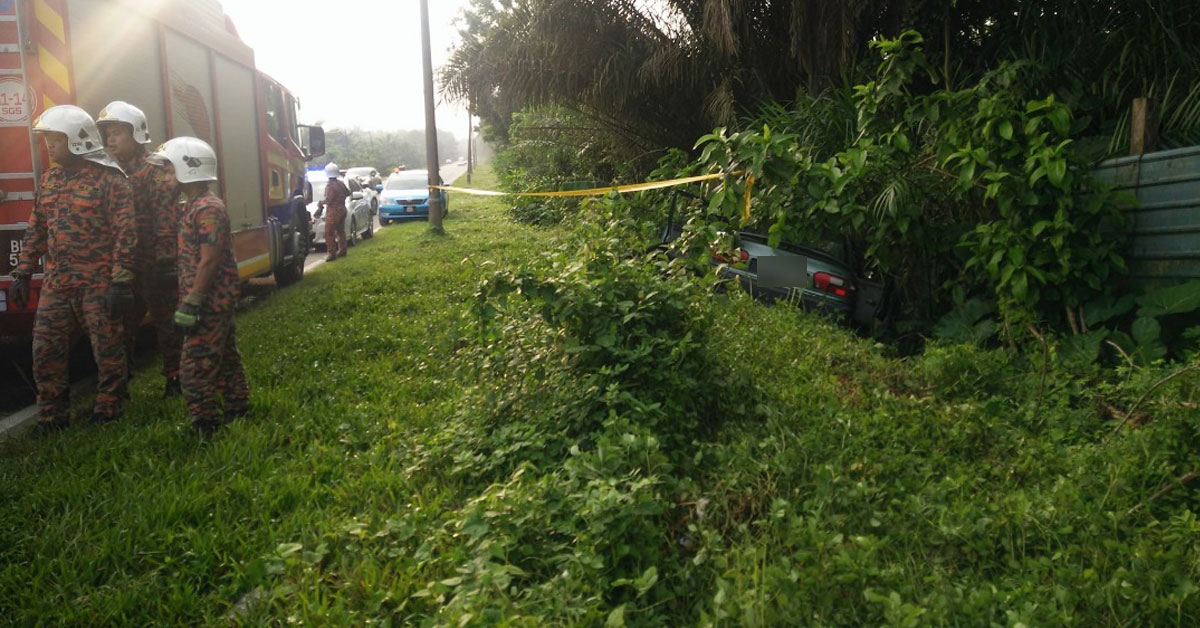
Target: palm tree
x=660, y=73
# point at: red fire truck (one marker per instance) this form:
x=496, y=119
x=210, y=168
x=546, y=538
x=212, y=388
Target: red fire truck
x=182, y=62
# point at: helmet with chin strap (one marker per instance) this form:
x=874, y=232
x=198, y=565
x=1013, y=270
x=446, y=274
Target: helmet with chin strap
x=82, y=135
x=125, y=113
x=194, y=160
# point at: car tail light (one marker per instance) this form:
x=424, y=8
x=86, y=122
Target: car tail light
x=742, y=254
x=837, y=286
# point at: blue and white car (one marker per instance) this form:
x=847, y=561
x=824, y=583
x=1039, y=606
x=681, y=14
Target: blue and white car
x=405, y=196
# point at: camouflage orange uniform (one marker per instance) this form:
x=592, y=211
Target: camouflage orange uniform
x=336, y=194
x=210, y=364
x=83, y=222
x=157, y=217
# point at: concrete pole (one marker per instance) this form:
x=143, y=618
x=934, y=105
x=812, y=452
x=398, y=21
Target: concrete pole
x=431, y=147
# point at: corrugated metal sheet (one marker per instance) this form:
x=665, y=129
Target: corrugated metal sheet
x=1166, y=218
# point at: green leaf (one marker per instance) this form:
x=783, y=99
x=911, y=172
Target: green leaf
x=616, y=619
x=1056, y=170
x=284, y=550
x=1038, y=173
x=901, y=141
x=1020, y=286
x=1082, y=349
x=1174, y=300
x=1147, y=333
x=1005, y=129
x=966, y=174
x=647, y=580
x=969, y=323
x=1061, y=119
x=1145, y=330
x=1106, y=308
x=933, y=112
x=1017, y=255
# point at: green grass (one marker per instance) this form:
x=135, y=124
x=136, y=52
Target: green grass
x=849, y=488
x=136, y=523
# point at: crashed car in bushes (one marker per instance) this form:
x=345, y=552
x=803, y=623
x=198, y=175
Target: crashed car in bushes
x=815, y=277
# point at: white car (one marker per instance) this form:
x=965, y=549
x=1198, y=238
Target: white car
x=368, y=178
x=359, y=217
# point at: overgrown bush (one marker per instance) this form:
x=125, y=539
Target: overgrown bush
x=630, y=449
x=599, y=330
x=975, y=189
x=551, y=150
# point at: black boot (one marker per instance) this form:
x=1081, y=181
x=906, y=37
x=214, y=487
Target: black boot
x=46, y=428
x=205, y=429
x=234, y=414
x=103, y=419
x=171, y=388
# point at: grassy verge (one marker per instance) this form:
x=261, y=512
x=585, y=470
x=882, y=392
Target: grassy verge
x=135, y=523
x=385, y=476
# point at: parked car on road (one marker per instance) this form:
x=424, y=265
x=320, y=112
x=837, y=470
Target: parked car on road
x=368, y=178
x=359, y=218
x=405, y=196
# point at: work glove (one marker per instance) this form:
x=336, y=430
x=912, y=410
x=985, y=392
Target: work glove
x=18, y=291
x=187, y=315
x=166, y=274
x=119, y=299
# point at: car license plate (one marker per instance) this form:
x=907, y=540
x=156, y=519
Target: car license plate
x=408, y=210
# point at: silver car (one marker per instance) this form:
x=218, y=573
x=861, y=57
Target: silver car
x=368, y=178
x=813, y=277
x=359, y=217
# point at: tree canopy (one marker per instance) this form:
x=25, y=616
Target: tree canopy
x=661, y=73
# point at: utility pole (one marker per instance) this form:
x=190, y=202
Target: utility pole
x=431, y=147
x=470, y=142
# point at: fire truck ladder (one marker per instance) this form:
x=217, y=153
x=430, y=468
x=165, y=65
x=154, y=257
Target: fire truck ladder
x=18, y=176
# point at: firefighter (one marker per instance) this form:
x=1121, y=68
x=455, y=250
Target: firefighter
x=210, y=365
x=155, y=285
x=336, y=194
x=83, y=223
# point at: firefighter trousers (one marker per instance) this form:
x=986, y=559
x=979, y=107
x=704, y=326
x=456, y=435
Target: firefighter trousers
x=335, y=232
x=61, y=315
x=211, y=367
x=160, y=301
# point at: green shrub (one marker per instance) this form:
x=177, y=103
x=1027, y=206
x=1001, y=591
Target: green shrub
x=597, y=330
x=976, y=189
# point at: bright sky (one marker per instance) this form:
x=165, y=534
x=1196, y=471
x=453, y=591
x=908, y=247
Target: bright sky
x=372, y=46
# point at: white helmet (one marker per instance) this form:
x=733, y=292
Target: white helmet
x=82, y=135
x=194, y=160
x=121, y=111
x=331, y=169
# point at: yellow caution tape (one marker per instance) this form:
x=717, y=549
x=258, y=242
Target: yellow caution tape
x=620, y=189
x=746, y=209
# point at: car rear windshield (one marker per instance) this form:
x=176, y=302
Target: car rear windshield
x=410, y=182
